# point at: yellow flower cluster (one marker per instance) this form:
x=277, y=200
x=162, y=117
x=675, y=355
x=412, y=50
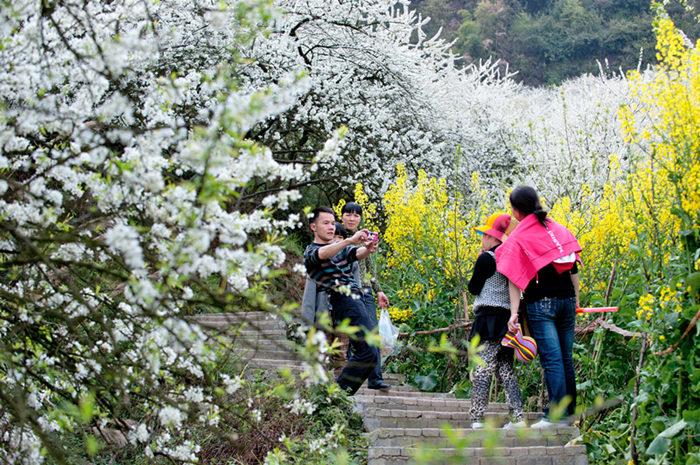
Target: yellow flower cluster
x=410, y=291
x=646, y=209
x=425, y=227
x=369, y=209
x=428, y=235
x=398, y=315
x=672, y=100
x=646, y=307
x=671, y=299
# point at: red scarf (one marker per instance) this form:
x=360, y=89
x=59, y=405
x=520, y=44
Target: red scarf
x=532, y=246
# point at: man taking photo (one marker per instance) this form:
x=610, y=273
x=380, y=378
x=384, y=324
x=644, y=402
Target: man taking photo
x=365, y=275
x=329, y=264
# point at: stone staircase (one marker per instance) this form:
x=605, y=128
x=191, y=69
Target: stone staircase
x=405, y=425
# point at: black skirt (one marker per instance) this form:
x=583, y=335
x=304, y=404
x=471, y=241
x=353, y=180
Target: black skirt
x=490, y=323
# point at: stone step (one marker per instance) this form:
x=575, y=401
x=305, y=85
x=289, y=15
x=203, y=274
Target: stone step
x=234, y=317
x=436, y=437
x=396, y=378
x=234, y=328
x=537, y=455
x=265, y=333
x=265, y=353
x=275, y=363
x=399, y=402
x=263, y=344
x=247, y=338
x=387, y=418
x=400, y=390
x=230, y=322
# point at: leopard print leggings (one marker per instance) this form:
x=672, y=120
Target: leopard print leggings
x=499, y=360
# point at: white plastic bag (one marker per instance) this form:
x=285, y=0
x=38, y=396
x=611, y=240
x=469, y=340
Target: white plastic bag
x=387, y=331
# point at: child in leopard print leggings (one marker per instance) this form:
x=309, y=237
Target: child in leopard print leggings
x=492, y=310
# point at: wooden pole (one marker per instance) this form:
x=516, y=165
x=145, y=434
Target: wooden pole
x=633, y=421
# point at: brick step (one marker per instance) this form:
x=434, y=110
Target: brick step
x=275, y=363
x=399, y=402
x=436, y=437
x=403, y=392
x=228, y=328
x=247, y=338
x=225, y=323
x=386, y=418
x=238, y=316
x=253, y=333
x=263, y=344
x=537, y=455
x=271, y=353
x=397, y=387
x=396, y=378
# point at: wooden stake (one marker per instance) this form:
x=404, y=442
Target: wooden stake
x=633, y=422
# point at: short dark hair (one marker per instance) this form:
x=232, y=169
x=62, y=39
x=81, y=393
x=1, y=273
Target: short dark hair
x=317, y=212
x=526, y=201
x=340, y=230
x=352, y=207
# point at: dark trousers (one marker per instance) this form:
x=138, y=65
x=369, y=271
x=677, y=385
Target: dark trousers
x=363, y=359
x=375, y=377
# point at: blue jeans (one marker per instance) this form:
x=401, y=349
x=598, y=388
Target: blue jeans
x=552, y=322
x=363, y=359
x=375, y=378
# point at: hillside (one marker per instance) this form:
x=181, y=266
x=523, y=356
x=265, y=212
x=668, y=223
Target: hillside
x=548, y=41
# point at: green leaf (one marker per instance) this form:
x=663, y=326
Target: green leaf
x=691, y=416
x=425, y=383
x=674, y=429
x=662, y=442
x=658, y=446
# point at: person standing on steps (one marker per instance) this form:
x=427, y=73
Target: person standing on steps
x=492, y=311
x=364, y=272
x=315, y=300
x=540, y=259
x=329, y=265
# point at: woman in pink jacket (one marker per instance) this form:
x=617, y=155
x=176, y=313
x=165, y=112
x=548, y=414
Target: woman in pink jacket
x=540, y=259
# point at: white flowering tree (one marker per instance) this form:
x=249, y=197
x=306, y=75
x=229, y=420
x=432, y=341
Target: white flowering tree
x=124, y=168
x=371, y=68
x=404, y=99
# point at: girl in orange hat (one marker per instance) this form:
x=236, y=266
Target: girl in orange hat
x=492, y=310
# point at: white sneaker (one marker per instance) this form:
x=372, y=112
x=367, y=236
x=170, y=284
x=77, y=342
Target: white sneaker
x=543, y=423
x=516, y=425
x=477, y=425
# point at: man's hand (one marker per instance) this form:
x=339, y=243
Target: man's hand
x=360, y=237
x=382, y=299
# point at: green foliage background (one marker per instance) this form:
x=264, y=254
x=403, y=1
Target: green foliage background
x=548, y=41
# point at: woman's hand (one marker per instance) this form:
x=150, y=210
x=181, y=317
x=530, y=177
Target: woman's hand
x=513, y=325
x=514, y=293
x=383, y=300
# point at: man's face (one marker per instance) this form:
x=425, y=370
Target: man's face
x=324, y=227
x=351, y=220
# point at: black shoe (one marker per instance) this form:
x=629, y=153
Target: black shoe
x=381, y=385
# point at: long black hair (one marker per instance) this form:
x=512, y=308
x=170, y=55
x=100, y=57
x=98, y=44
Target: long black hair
x=526, y=201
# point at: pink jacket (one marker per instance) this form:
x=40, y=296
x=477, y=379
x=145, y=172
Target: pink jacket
x=531, y=247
